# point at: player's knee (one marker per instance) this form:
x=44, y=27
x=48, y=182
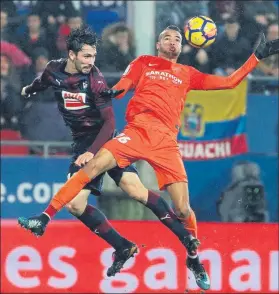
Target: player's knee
x=76, y=208
x=183, y=211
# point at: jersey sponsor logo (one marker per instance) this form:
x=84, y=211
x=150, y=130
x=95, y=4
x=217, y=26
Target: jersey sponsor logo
x=74, y=101
x=164, y=76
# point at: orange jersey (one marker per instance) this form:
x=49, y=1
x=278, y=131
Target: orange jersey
x=161, y=87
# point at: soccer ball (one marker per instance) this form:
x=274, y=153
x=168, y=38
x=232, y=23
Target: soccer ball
x=200, y=31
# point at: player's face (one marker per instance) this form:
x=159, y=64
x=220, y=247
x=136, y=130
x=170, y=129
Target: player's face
x=169, y=44
x=85, y=59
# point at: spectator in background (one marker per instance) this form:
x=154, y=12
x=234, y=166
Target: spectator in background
x=74, y=21
x=13, y=18
x=40, y=119
x=176, y=12
x=55, y=12
x=55, y=16
x=6, y=33
x=15, y=54
x=35, y=36
x=221, y=11
x=262, y=12
x=256, y=17
x=270, y=66
x=230, y=51
x=11, y=103
x=117, y=49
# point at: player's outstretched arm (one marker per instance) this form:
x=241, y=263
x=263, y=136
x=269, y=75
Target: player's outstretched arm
x=201, y=81
x=39, y=84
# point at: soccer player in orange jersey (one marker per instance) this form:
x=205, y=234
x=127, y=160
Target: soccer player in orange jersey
x=153, y=120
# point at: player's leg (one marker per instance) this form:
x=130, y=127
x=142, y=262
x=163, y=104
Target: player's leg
x=179, y=193
x=171, y=174
x=132, y=185
x=97, y=222
x=180, y=197
x=102, y=162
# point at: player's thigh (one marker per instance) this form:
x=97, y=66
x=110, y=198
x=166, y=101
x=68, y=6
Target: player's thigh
x=179, y=194
x=168, y=166
x=132, y=185
x=126, y=148
x=100, y=163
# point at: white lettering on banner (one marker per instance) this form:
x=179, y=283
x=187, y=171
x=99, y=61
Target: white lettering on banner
x=273, y=270
x=27, y=193
x=14, y=266
x=168, y=267
x=215, y=270
x=204, y=150
x=41, y=193
x=242, y=276
x=253, y=270
x=129, y=280
x=3, y=192
x=64, y=268
x=22, y=197
x=163, y=76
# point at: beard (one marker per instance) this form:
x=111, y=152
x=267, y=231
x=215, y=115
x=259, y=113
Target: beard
x=169, y=53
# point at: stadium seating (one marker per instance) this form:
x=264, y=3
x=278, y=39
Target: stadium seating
x=12, y=135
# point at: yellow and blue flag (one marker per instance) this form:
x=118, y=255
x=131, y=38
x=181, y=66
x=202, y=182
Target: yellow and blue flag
x=213, y=124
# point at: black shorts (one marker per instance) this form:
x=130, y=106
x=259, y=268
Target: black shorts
x=95, y=186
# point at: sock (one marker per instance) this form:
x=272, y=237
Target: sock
x=190, y=224
x=97, y=222
x=166, y=215
x=68, y=192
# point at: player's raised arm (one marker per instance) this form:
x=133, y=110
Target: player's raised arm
x=201, y=81
x=128, y=81
x=41, y=83
x=104, y=104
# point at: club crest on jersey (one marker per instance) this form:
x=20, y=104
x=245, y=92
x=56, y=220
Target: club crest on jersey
x=85, y=85
x=74, y=101
x=192, y=123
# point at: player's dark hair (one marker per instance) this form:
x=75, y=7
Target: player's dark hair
x=79, y=37
x=173, y=27
x=170, y=27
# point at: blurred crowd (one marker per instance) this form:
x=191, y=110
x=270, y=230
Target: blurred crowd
x=30, y=40
x=240, y=24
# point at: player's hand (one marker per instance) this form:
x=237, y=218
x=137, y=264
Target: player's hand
x=84, y=158
x=266, y=49
x=23, y=92
x=110, y=93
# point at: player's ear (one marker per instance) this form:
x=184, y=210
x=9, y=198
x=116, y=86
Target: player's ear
x=72, y=55
x=157, y=45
